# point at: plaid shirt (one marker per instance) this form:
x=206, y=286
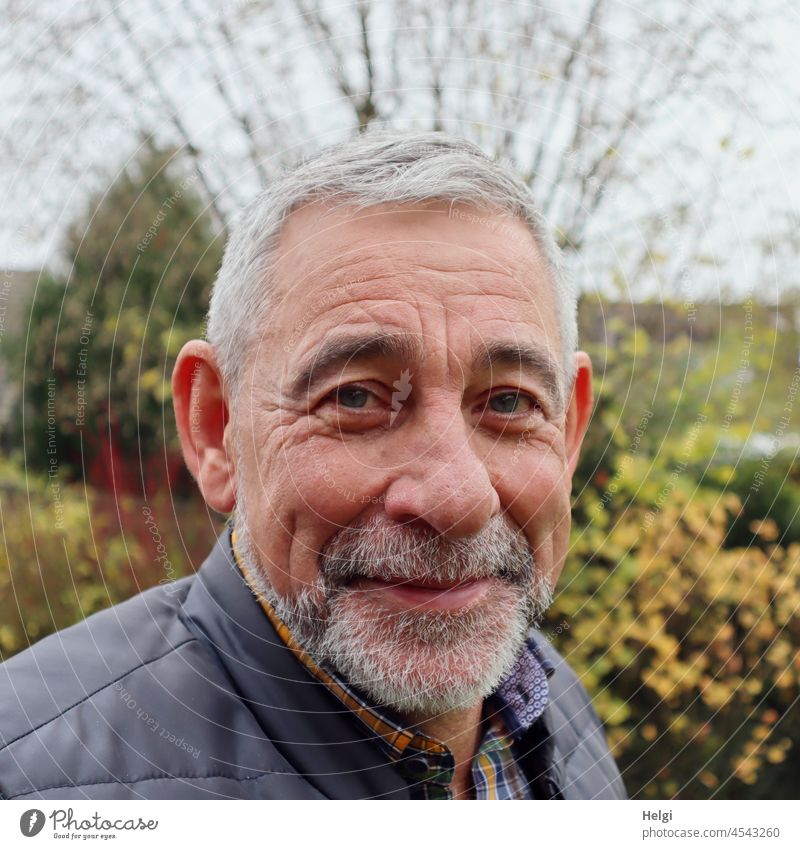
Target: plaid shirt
x=426, y=763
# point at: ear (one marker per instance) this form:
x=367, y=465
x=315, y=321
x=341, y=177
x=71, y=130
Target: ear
x=201, y=413
x=579, y=410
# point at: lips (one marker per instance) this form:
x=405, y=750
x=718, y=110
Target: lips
x=424, y=583
x=425, y=593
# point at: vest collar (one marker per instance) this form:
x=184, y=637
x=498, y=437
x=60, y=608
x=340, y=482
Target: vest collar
x=312, y=730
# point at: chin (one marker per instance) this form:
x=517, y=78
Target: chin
x=425, y=663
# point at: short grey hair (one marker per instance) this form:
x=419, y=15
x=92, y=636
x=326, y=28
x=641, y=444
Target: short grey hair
x=384, y=166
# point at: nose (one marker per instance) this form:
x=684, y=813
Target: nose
x=444, y=483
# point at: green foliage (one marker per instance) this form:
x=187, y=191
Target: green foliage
x=97, y=362
x=689, y=648
x=691, y=392
x=68, y=552
x=769, y=489
x=678, y=603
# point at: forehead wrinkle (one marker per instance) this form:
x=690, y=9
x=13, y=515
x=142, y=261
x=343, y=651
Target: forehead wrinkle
x=332, y=275
x=386, y=261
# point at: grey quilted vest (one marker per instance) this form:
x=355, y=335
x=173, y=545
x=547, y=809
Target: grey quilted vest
x=186, y=691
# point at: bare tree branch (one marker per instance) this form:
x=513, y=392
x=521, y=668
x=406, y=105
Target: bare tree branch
x=172, y=113
x=222, y=87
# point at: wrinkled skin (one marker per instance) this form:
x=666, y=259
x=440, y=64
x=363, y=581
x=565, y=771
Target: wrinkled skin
x=458, y=449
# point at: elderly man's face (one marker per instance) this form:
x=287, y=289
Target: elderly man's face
x=404, y=446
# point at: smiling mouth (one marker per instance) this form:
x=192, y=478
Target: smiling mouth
x=425, y=593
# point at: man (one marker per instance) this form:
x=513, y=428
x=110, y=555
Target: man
x=390, y=404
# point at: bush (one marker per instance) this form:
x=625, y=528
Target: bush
x=678, y=603
x=95, y=370
x=69, y=552
x=688, y=647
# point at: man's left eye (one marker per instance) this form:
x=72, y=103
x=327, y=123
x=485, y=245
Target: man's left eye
x=352, y=397
x=513, y=402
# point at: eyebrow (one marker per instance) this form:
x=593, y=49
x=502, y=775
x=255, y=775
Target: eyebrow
x=337, y=352
x=530, y=358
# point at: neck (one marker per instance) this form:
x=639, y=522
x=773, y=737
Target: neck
x=460, y=731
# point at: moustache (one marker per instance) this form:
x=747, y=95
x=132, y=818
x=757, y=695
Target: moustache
x=390, y=551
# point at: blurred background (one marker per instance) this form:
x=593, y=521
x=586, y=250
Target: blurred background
x=662, y=145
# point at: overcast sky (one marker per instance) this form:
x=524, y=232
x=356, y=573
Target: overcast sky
x=744, y=191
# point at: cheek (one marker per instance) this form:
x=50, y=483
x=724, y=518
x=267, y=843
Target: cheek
x=308, y=492
x=536, y=494
x=338, y=480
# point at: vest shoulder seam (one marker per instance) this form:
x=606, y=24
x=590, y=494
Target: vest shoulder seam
x=105, y=686
x=165, y=777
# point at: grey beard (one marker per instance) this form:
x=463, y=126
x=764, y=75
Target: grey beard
x=420, y=663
